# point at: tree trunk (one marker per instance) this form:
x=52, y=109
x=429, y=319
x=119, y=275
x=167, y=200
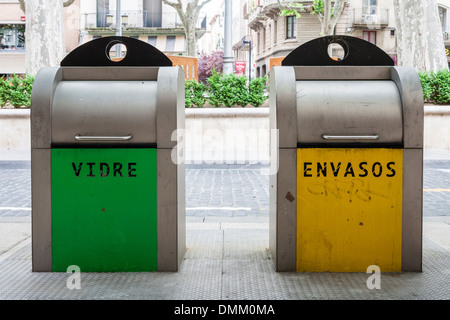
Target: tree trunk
x=420, y=42
x=330, y=16
x=189, y=19
x=191, y=41
x=44, y=34
x=192, y=14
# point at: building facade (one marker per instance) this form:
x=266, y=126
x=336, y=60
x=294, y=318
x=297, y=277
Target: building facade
x=148, y=20
x=214, y=38
x=12, y=35
x=444, y=7
x=12, y=38
x=275, y=36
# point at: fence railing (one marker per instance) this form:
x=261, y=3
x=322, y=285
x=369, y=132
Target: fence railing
x=189, y=65
x=136, y=19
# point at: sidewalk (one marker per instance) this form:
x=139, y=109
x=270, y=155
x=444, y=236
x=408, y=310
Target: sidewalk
x=227, y=240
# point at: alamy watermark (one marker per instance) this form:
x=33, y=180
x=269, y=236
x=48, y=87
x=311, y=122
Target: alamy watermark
x=374, y=281
x=230, y=146
x=74, y=280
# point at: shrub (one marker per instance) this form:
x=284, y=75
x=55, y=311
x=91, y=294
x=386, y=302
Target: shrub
x=425, y=80
x=257, y=89
x=3, y=97
x=441, y=87
x=229, y=90
x=436, y=86
x=194, y=94
x=16, y=91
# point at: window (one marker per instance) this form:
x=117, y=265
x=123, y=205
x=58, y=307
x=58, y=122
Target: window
x=12, y=37
x=275, y=25
x=369, y=6
x=370, y=36
x=102, y=12
x=264, y=39
x=291, y=27
x=442, y=17
x=258, y=42
x=153, y=13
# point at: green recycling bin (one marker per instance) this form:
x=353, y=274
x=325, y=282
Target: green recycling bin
x=107, y=184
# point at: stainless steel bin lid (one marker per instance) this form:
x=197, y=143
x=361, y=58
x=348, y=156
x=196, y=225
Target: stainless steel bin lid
x=104, y=112
x=339, y=112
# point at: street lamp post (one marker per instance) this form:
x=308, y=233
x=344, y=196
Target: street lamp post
x=118, y=28
x=228, y=53
x=249, y=60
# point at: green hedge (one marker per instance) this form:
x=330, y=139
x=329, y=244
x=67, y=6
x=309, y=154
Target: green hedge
x=227, y=91
x=16, y=91
x=436, y=86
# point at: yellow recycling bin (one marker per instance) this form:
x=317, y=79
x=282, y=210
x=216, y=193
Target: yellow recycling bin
x=347, y=192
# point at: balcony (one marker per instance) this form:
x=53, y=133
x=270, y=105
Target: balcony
x=255, y=18
x=374, y=18
x=136, y=19
x=269, y=3
x=137, y=23
x=271, y=8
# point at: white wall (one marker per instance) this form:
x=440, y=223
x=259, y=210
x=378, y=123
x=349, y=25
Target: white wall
x=220, y=134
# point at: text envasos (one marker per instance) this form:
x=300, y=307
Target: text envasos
x=349, y=169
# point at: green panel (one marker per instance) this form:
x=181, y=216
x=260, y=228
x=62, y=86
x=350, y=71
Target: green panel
x=104, y=220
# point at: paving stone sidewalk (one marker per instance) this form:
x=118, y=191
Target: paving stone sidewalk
x=227, y=256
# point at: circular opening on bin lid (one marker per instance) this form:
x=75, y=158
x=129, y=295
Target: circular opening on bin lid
x=116, y=51
x=337, y=51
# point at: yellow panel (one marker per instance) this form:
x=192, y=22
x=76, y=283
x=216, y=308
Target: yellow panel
x=349, y=209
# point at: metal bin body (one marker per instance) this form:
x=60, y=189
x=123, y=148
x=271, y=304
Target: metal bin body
x=352, y=132
x=106, y=195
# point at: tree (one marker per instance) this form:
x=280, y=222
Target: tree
x=327, y=13
x=420, y=41
x=189, y=17
x=44, y=33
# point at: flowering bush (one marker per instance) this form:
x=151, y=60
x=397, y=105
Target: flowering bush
x=16, y=91
x=209, y=62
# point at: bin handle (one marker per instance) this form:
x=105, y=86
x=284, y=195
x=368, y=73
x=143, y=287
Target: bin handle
x=103, y=138
x=95, y=53
x=358, y=52
x=369, y=137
